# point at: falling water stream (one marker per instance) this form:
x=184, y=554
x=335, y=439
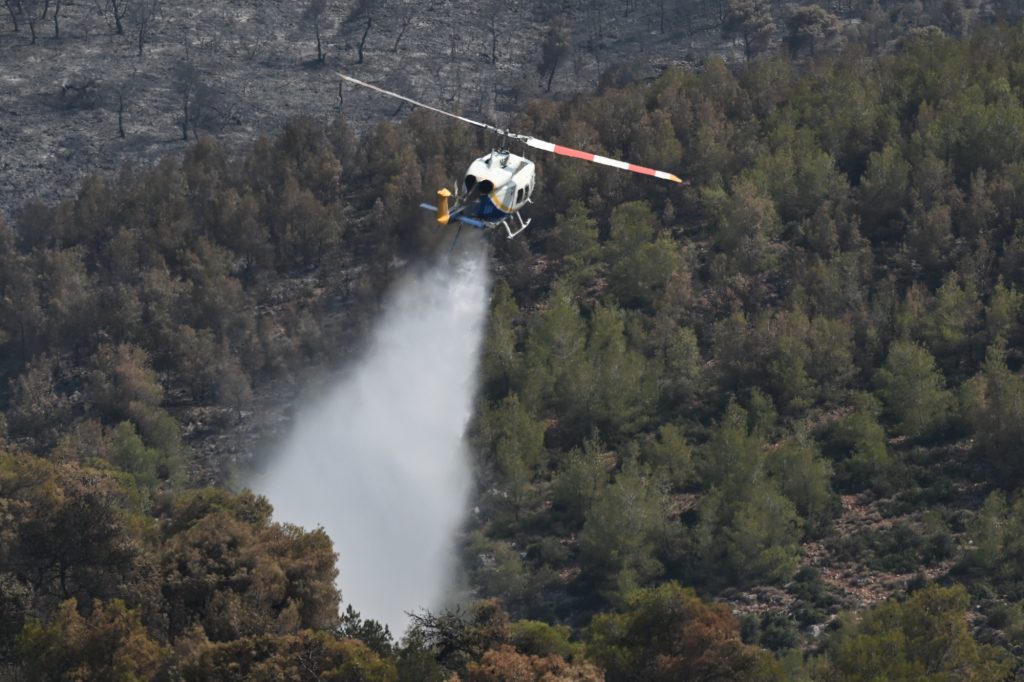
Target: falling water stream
x=380, y=462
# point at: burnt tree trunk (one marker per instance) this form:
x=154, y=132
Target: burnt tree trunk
x=406, y=22
x=120, y=113
x=492, y=28
x=119, y=8
x=186, y=100
x=56, y=19
x=11, y=4
x=319, y=50
x=362, y=41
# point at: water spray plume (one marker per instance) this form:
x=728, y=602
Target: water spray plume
x=380, y=462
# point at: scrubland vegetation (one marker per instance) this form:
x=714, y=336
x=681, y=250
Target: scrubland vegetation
x=688, y=395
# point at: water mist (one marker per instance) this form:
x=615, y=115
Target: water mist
x=380, y=461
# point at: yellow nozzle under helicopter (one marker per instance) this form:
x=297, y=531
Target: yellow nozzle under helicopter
x=442, y=206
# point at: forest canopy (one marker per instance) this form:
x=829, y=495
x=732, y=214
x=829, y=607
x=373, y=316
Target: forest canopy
x=797, y=375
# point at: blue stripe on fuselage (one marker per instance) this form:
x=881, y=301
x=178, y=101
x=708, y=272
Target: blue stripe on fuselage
x=486, y=210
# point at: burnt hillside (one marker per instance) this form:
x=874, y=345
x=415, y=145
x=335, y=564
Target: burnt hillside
x=239, y=69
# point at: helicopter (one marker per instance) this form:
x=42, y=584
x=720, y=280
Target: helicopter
x=498, y=185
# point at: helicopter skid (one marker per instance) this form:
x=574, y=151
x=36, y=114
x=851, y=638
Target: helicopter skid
x=522, y=225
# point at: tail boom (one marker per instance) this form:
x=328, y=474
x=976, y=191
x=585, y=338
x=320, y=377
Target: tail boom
x=472, y=222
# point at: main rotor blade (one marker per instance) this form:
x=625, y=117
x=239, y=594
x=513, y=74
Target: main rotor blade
x=588, y=156
x=530, y=141
x=410, y=100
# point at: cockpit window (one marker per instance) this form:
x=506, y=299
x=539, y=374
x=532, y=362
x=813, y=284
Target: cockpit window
x=470, y=181
x=486, y=186
x=519, y=195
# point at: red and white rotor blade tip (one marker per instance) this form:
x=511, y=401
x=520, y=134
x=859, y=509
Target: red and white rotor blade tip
x=596, y=158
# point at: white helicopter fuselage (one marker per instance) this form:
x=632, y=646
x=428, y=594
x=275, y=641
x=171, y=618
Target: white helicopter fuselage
x=497, y=185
